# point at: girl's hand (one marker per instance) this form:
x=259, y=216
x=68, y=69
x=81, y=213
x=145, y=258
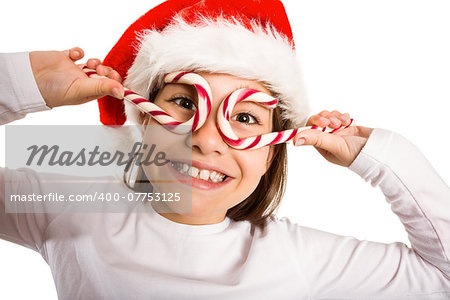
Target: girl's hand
x=62, y=82
x=341, y=147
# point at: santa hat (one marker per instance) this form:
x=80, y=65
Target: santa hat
x=251, y=39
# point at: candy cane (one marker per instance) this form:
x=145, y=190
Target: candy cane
x=161, y=115
x=223, y=117
x=203, y=92
x=255, y=142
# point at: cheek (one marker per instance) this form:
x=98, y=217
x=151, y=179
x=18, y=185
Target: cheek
x=162, y=145
x=253, y=163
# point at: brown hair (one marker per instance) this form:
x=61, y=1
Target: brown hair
x=265, y=199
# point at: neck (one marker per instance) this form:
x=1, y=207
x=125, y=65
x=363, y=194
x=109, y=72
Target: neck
x=188, y=218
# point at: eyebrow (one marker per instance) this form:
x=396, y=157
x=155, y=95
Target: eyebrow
x=265, y=107
x=246, y=86
x=243, y=86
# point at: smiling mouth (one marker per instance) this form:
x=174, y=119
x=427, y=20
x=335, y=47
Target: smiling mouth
x=202, y=174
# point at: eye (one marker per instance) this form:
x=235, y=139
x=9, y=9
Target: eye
x=185, y=103
x=245, y=118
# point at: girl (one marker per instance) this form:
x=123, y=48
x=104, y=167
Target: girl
x=230, y=245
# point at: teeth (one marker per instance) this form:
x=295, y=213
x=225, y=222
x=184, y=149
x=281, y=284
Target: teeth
x=213, y=176
x=216, y=177
x=204, y=174
x=199, y=174
x=193, y=171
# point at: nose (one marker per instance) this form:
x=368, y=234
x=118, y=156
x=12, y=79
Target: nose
x=207, y=139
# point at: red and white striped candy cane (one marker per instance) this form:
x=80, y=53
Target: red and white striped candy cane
x=162, y=116
x=226, y=108
x=223, y=117
x=254, y=142
x=203, y=91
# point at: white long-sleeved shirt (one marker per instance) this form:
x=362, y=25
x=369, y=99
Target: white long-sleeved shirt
x=146, y=256
x=19, y=92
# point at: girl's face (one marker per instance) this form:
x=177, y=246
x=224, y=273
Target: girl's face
x=244, y=168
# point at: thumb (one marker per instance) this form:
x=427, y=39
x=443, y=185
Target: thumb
x=94, y=88
x=74, y=53
x=319, y=139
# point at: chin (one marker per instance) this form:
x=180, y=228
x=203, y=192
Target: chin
x=203, y=207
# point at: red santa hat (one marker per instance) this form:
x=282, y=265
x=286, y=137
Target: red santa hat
x=250, y=39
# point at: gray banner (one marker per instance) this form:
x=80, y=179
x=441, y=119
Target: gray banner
x=73, y=169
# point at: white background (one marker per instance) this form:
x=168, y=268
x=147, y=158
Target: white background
x=385, y=62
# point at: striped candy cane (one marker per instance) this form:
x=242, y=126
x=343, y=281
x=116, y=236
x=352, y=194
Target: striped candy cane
x=162, y=116
x=254, y=142
x=203, y=91
x=223, y=117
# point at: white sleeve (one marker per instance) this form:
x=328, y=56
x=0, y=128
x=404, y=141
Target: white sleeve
x=343, y=267
x=19, y=93
x=26, y=229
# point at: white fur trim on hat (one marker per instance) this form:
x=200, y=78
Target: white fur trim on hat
x=222, y=46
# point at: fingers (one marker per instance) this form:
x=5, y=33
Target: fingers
x=90, y=88
x=333, y=119
x=318, y=120
x=93, y=88
x=108, y=72
x=360, y=131
x=96, y=64
x=92, y=63
x=336, y=149
x=75, y=53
